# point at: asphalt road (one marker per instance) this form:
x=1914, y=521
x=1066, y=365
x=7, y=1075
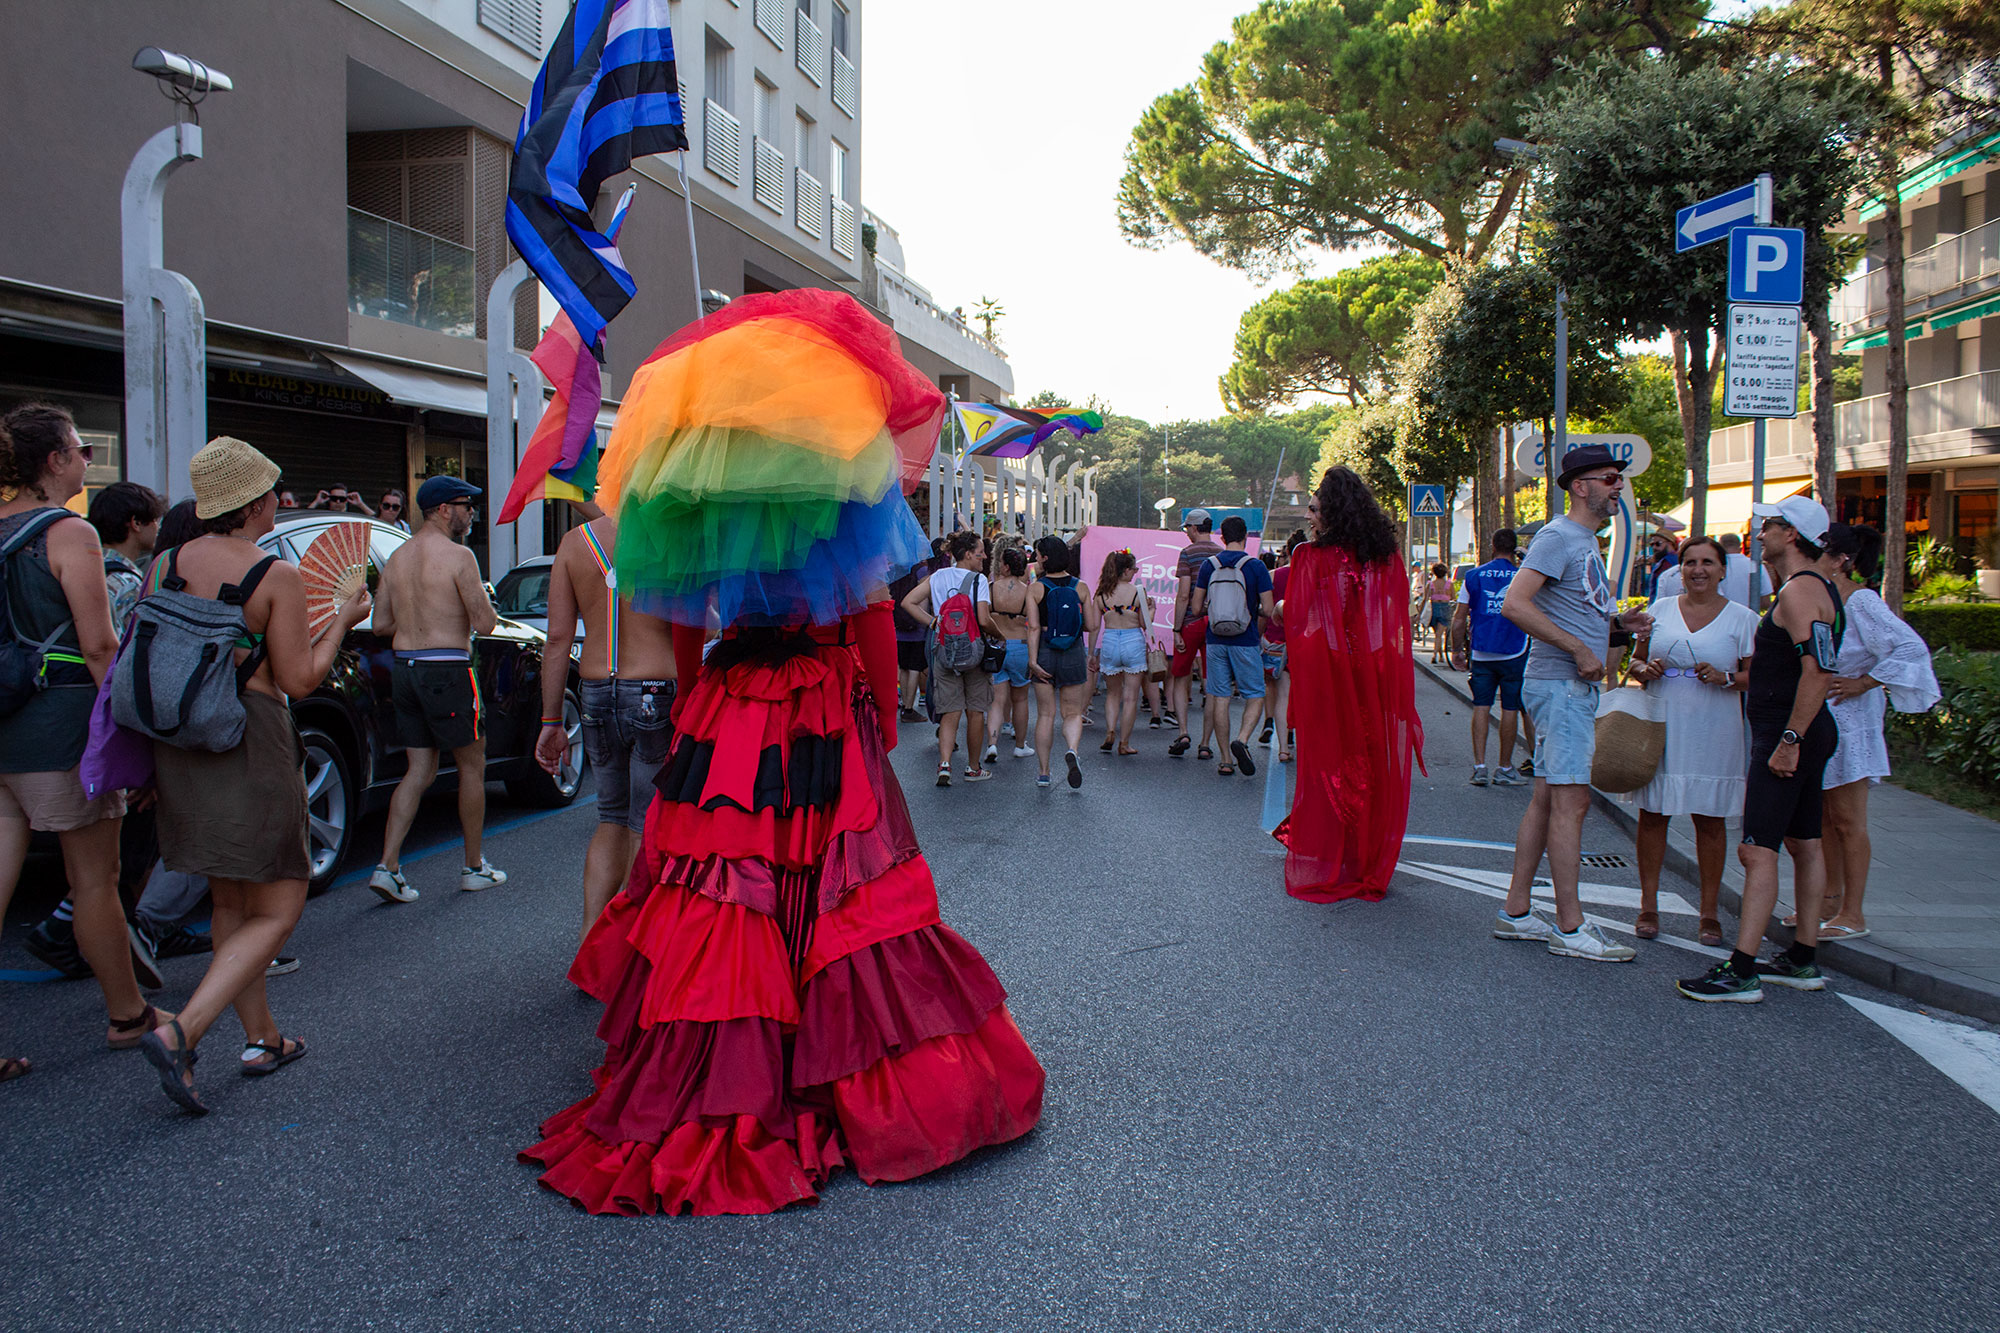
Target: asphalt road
x=1261, y=1114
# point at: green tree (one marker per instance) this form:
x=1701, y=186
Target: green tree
x=988, y=313
x=1366, y=441
x=1630, y=145
x=1333, y=335
x=1652, y=412
x=1339, y=123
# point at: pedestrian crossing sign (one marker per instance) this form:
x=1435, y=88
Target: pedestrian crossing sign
x=1429, y=501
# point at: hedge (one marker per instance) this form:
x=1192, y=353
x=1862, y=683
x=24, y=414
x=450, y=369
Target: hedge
x=1967, y=626
x=1961, y=734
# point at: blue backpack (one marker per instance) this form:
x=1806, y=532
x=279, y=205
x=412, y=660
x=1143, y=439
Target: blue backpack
x=1062, y=615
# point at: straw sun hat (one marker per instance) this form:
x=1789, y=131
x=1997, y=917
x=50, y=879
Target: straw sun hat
x=228, y=474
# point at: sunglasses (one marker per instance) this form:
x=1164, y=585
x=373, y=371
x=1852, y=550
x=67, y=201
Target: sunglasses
x=391, y=506
x=89, y=452
x=462, y=503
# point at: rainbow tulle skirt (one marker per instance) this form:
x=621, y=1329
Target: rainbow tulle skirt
x=759, y=462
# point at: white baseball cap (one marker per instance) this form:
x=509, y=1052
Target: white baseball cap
x=1806, y=515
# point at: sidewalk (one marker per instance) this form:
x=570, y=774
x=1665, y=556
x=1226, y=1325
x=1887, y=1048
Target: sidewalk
x=1933, y=902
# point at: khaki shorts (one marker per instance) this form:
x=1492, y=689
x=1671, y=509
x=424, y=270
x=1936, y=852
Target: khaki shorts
x=957, y=691
x=54, y=802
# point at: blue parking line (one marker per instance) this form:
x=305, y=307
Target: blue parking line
x=11, y=974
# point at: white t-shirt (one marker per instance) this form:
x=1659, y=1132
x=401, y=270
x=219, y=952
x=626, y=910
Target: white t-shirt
x=1735, y=581
x=947, y=583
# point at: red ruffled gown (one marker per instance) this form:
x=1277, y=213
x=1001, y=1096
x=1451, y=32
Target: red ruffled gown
x=1353, y=702
x=781, y=999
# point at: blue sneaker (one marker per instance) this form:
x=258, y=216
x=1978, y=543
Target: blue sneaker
x=1044, y=782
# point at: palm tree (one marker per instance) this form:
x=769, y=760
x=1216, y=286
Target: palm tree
x=988, y=313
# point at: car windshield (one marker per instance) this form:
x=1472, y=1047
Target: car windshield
x=524, y=592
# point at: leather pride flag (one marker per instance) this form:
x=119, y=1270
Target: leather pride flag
x=606, y=95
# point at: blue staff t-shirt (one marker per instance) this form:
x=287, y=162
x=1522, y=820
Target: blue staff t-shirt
x=1256, y=582
x=1494, y=637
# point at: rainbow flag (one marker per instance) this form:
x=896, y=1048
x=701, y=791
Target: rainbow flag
x=999, y=432
x=560, y=462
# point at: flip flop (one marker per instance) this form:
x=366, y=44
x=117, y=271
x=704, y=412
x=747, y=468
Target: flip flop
x=1832, y=932
x=280, y=1057
x=172, y=1064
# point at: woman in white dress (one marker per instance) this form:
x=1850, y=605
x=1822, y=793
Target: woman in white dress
x=1697, y=657
x=1879, y=655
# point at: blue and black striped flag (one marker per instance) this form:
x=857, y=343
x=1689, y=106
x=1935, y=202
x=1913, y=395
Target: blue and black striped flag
x=606, y=94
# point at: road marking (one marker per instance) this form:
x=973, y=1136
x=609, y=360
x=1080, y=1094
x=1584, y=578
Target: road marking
x=1277, y=796
x=1455, y=877
x=1457, y=842
x=1966, y=1056
x=1604, y=895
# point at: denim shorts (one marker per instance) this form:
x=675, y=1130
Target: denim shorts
x=1234, y=668
x=1274, y=660
x=1014, y=671
x=1565, y=714
x=1501, y=676
x=1122, y=652
x=626, y=741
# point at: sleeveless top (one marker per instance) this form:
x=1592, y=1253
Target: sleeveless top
x=48, y=734
x=1774, y=666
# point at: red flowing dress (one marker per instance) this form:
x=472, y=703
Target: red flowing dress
x=781, y=999
x=1353, y=701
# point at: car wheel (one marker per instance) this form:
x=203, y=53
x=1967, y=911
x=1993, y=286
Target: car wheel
x=332, y=806
x=552, y=791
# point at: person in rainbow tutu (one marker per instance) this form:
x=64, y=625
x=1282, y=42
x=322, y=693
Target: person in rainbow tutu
x=781, y=998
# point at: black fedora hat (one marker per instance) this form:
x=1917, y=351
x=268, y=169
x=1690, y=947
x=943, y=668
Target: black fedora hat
x=1585, y=457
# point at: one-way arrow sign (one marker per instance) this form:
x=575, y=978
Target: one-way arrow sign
x=1713, y=219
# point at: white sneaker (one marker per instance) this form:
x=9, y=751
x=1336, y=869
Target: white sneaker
x=390, y=886
x=1006, y=728
x=482, y=876
x=1507, y=777
x=1533, y=926
x=992, y=753
x=1024, y=752
x=1478, y=778
x=1591, y=943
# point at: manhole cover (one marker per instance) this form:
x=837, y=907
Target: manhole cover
x=1606, y=861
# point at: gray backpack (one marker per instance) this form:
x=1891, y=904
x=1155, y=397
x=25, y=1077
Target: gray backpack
x=177, y=680
x=1228, y=599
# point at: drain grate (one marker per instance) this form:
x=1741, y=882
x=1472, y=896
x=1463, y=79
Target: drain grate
x=1606, y=861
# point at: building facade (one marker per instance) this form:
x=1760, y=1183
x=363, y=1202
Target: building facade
x=345, y=221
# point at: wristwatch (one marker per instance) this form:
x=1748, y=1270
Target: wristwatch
x=1788, y=737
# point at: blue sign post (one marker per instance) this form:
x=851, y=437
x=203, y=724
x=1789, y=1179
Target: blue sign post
x=1767, y=265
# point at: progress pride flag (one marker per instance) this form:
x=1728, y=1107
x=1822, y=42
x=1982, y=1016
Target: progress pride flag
x=1159, y=556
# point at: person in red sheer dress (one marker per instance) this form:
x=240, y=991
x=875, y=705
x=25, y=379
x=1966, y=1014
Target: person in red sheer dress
x=781, y=998
x=1347, y=636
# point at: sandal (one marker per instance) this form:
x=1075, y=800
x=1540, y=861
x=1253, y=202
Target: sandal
x=174, y=1064
x=1109, y=741
x=1284, y=756
x=1226, y=770
x=1128, y=749
x=1711, y=932
x=12, y=1067
x=148, y=1019
x=1828, y=932
x=257, y=1067
x=1647, y=927
x=1204, y=753
x=1180, y=746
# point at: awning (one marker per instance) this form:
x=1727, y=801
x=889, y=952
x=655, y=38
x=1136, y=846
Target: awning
x=1978, y=310
x=1729, y=506
x=1935, y=172
x=413, y=387
x=1911, y=330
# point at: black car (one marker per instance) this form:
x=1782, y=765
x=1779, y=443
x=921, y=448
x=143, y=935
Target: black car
x=347, y=725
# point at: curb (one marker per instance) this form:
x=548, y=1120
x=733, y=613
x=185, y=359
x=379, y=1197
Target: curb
x=1892, y=970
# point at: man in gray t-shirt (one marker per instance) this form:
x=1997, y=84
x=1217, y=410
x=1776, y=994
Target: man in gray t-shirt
x=1564, y=600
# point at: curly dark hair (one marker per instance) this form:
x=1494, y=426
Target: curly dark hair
x=1014, y=559
x=1350, y=519
x=961, y=544
x=31, y=435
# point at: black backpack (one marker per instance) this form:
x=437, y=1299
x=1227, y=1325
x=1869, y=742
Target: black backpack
x=24, y=662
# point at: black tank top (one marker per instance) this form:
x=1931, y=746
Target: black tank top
x=1774, y=665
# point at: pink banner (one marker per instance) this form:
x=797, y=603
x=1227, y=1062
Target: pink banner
x=1159, y=554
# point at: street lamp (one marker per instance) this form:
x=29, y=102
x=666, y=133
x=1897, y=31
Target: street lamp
x=1559, y=445
x=1163, y=504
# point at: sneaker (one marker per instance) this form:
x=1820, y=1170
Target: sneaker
x=978, y=774
x=944, y=775
x=911, y=715
x=1170, y=719
x=1527, y=767
x=1506, y=777
x=281, y=965
x=1075, y=769
x=1042, y=781
x=1154, y=725
x=1270, y=729
x=992, y=753
x=1533, y=926
x=1782, y=971
x=144, y=966
x=1722, y=984
x=1479, y=778
x=390, y=886
x=1024, y=752
x=179, y=942
x=1591, y=943
x=54, y=942
x=1006, y=728
x=482, y=876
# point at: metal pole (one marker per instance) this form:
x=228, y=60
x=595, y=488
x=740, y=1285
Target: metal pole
x=513, y=401
x=1559, y=446
x=694, y=252
x=166, y=356
x=1758, y=440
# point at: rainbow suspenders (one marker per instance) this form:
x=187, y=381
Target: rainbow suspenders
x=610, y=573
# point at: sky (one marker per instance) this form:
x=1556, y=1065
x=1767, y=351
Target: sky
x=993, y=140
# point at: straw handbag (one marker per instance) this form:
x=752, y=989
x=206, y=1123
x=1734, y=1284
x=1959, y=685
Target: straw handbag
x=1631, y=736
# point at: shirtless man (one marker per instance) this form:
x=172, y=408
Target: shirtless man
x=431, y=604
x=628, y=699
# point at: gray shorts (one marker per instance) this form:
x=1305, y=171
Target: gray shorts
x=1069, y=666
x=627, y=727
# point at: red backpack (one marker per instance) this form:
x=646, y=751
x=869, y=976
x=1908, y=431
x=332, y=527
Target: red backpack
x=960, y=643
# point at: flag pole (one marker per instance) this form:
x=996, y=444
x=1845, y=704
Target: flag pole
x=694, y=253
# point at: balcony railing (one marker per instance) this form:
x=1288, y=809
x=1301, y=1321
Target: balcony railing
x=1949, y=271
x=1943, y=407
x=846, y=85
x=843, y=228
x=809, y=209
x=721, y=141
x=811, y=48
x=767, y=177
x=408, y=276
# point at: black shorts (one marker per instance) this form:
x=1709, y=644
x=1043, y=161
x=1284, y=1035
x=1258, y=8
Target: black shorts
x=913, y=655
x=1069, y=666
x=437, y=705
x=1776, y=808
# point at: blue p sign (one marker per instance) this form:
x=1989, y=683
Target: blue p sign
x=1767, y=265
